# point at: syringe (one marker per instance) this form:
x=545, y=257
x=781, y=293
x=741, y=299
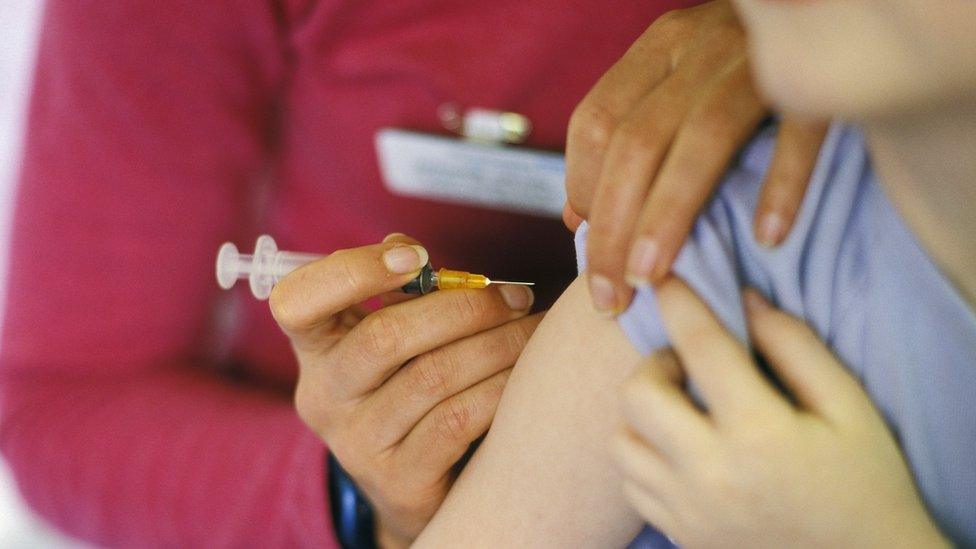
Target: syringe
x=268, y=265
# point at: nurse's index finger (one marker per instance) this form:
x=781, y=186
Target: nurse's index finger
x=644, y=66
x=717, y=364
x=715, y=128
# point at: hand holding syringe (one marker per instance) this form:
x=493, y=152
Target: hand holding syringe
x=267, y=265
x=383, y=387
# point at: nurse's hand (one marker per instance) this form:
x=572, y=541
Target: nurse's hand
x=750, y=468
x=398, y=394
x=649, y=143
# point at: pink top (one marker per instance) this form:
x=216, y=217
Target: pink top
x=140, y=404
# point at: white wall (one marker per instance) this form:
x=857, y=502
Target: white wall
x=18, y=32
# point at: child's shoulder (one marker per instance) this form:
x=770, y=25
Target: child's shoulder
x=819, y=258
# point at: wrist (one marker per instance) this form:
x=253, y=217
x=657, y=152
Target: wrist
x=387, y=539
x=352, y=516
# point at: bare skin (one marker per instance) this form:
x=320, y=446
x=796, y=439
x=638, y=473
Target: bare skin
x=544, y=474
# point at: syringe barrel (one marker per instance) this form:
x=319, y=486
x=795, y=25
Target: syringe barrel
x=271, y=265
x=286, y=262
x=267, y=266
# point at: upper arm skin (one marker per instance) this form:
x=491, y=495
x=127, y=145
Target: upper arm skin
x=543, y=475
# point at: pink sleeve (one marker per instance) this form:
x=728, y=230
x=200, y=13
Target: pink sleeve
x=149, y=126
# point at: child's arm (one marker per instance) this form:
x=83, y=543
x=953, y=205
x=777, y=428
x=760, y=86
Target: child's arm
x=544, y=476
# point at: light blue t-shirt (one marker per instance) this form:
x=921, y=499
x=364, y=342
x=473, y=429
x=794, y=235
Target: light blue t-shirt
x=855, y=273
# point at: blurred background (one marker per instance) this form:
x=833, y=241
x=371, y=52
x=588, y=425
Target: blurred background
x=19, y=21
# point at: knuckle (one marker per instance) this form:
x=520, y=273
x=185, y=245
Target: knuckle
x=670, y=21
x=633, y=139
x=498, y=384
x=506, y=343
x=518, y=334
x=470, y=305
x=379, y=337
x=591, y=124
x=454, y=420
x=672, y=26
x=435, y=372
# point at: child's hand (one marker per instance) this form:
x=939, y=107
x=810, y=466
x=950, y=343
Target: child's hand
x=753, y=469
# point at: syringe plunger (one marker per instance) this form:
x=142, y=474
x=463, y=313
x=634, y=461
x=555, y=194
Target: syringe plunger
x=263, y=269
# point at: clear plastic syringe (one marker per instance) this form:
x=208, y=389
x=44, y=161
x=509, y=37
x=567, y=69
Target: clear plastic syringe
x=267, y=265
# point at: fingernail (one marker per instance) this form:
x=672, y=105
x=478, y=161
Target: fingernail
x=518, y=298
x=771, y=230
x=753, y=301
x=603, y=295
x=391, y=236
x=405, y=259
x=643, y=256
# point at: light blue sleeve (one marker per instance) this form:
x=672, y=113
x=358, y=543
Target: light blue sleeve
x=802, y=276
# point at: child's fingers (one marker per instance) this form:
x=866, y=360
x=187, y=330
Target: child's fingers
x=657, y=408
x=642, y=463
x=649, y=508
x=648, y=479
x=717, y=364
x=804, y=364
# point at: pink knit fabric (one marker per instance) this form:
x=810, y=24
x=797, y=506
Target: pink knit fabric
x=141, y=405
